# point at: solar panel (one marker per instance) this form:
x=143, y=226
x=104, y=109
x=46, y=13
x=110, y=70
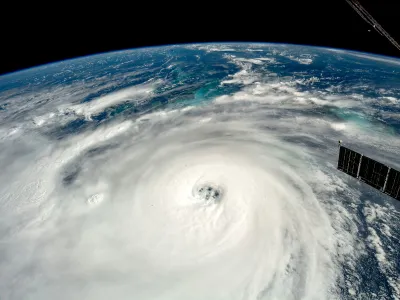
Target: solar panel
x=370, y=171
x=373, y=173
x=349, y=161
x=392, y=187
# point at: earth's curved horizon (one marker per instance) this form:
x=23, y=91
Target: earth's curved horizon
x=393, y=59
x=198, y=171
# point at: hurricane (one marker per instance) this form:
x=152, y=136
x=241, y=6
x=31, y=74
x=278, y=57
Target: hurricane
x=144, y=184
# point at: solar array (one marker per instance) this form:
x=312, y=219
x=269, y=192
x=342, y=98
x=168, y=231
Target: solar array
x=370, y=171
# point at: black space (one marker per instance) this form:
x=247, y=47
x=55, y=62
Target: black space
x=32, y=36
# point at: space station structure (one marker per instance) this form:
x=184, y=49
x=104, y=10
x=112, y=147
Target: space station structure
x=363, y=13
x=378, y=175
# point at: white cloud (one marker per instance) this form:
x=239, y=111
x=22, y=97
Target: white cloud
x=132, y=94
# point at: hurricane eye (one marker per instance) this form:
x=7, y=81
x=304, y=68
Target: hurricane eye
x=208, y=193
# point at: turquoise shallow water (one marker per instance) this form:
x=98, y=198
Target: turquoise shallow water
x=367, y=122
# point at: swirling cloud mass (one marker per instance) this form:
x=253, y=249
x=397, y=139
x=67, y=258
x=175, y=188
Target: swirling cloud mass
x=232, y=195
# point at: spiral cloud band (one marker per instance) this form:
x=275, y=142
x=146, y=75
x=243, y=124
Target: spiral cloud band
x=233, y=199
x=149, y=213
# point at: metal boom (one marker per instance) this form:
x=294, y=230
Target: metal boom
x=370, y=20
